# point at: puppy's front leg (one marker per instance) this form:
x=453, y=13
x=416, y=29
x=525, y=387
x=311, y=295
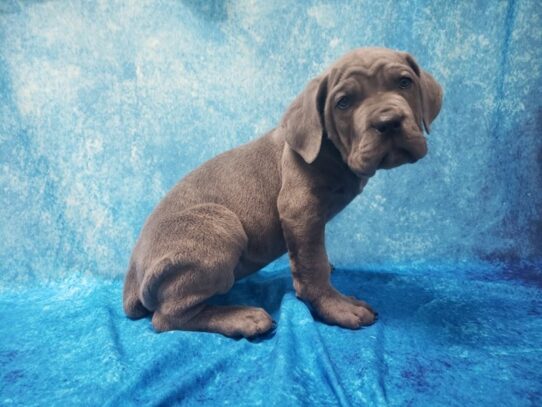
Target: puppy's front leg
x=303, y=217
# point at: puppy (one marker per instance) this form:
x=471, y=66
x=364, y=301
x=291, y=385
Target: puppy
x=246, y=207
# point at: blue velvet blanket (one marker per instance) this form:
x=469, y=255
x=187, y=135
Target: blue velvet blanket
x=105, y=104
x=466, y=335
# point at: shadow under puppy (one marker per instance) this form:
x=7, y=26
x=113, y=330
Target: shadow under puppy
x=246, y=207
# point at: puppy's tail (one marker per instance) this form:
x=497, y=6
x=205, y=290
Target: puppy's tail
x=132, y=304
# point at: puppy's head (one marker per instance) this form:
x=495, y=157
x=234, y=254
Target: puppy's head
x=372, y=104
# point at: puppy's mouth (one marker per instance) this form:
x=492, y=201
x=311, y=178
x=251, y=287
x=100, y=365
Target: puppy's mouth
x=403, y=146
x=364, y=174
x=395, y=158
x=406, y=148
x=391, y=159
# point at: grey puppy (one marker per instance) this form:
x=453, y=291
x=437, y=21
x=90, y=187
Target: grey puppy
x=246, y=207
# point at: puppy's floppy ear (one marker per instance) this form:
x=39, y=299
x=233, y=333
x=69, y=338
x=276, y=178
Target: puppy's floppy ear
x=303, y=122
x=431, y=99
x=430, y=93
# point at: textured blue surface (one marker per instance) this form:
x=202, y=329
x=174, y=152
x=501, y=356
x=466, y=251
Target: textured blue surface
x=104, y=105
x=446, y=337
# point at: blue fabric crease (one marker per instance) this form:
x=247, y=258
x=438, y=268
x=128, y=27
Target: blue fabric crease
x=437, y=336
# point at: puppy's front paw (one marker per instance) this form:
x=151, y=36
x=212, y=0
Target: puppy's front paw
x=347, y=312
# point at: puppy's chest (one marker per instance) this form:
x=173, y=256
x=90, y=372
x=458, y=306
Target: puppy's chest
x=339, y=197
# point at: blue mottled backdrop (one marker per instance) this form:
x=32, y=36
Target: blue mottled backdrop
x=104, y=105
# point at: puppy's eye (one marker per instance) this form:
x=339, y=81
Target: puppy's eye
x=344, y=103
x=405, y=82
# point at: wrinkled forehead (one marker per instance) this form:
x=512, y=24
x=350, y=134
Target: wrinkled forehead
x=369, y=65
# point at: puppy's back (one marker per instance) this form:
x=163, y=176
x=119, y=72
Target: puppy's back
x=246, y=180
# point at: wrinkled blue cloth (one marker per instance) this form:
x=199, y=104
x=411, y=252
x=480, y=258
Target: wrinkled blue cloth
x=105, y=104
x=450, y=336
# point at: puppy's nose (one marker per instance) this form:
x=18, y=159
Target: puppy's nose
x=387, y=122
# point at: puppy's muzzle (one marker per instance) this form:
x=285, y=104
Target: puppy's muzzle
x=407, y=139
x=388, y=121
x=389, y=136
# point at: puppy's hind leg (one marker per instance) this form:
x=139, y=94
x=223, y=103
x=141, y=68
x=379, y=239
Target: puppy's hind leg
x=201, y=266
x=132, y=305
x=229, y=320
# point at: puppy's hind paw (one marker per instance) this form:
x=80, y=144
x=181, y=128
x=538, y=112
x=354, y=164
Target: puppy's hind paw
x=249, y=322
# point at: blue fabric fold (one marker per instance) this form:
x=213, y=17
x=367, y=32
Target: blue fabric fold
x=468, y=338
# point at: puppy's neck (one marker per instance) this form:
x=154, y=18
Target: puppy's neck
x=330, y=163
